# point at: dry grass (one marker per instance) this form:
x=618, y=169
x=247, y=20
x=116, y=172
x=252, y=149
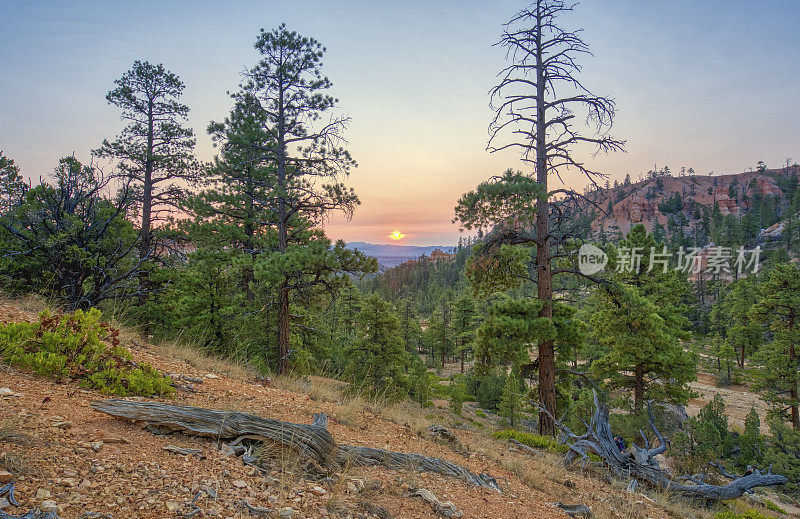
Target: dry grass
x=231, y=368
x=408, y=414
x=31, y=303
x=9, y=434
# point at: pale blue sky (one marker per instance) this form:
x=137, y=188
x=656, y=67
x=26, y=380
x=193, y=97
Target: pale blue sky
x=705, y=84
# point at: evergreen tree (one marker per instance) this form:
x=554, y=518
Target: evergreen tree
x=777, y=361
x=12, y=186
x=154, y=152
x=535, y=91
x=79, y=240
x=743, y=334
x=642, y=353
x=511, y=326
x=511, y=400
x=751, y=444
x=377, y=358
x=464, y=324
x=305, y=160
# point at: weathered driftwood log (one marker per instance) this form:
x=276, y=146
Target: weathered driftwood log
x=310, y=441
x=313, y=441
x=415, y=462
x=641, y=464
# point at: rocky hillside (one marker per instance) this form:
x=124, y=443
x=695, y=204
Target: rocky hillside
x=65, y=457
x=669, y=202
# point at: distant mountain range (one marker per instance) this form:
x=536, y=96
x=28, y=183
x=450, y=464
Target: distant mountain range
x=391, y=255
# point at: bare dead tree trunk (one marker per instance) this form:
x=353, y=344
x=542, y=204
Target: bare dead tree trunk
x=641, y=464
x=533, y=117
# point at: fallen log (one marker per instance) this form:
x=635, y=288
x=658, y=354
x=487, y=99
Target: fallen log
x=353, y=455
x=312, y=442
x=641, y=464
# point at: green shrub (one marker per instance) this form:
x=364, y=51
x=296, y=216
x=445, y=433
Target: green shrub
x=79, y=346
x=488, y=389
x=769, y=505
x=531, y=440
x=457, y=397
x=750, y=513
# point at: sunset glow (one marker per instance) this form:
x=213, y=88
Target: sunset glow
x=397, y=235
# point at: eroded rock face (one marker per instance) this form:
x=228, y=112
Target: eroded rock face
x=639, y=202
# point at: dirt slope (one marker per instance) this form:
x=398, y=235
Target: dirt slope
x=50, y=441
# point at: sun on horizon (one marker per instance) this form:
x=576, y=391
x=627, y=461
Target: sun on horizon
x=397, y=235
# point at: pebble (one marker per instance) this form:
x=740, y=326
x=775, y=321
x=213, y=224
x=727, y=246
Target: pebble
x=172, y=506
x=211, y=376
x=240, y=483
x=286, y=512
x=96, y=446
x=318, y=491
x=4, y=503
x=42, y=493
x=5, y=476
x=49, y=506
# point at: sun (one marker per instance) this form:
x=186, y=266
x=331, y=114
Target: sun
x=397, y=235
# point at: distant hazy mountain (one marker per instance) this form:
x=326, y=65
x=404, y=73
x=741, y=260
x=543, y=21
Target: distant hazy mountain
x=391, y=255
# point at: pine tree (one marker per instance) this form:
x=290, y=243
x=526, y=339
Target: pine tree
x=511, y=326
x=777, y=361
x=534, y=101
x=464, y=324
x=751, y=444
x=377, y=358
x=306, y=160
x=743, y=334
x=642, y=353
x=640, y=317
x=12, y=187
x=154, y=151
x=511, y=400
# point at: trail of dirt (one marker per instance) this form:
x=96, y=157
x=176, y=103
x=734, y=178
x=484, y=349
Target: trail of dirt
x=738, y=401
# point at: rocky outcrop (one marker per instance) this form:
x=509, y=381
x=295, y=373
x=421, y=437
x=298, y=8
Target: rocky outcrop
x=652, y=201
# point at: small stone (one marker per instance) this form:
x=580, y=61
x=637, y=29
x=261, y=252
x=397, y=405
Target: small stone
x=69, y=482
x=114, y=440
x=96, y=446
x=42, y=494
x=4, y=503
x=227, y=450
x=240, y=483
x=351, y=487
x=6, y=391
x=172, y=506
x=49, y=506
x=70, y=473
x=286, y=512
x=211, y=376
x=62, y=425
x=317, y=491
x=6, y=476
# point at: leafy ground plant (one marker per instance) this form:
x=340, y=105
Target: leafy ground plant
x=78, y=346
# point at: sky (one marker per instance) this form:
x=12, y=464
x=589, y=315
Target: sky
x=707, y=84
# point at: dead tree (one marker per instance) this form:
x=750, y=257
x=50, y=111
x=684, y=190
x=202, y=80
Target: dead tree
x=537, y=101
x=640, y=463
x=312, y=443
